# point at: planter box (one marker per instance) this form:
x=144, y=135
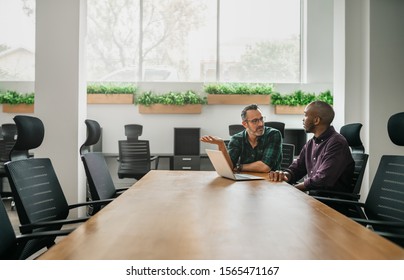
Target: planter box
x=289, y=110
x=171, y=109
x=18, y=108
x=238, y=99
x=109, y=98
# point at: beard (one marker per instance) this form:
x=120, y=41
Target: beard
x=308, y=128
x=258, y=132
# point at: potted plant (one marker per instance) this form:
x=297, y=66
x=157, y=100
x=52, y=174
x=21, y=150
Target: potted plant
x=110, y=93
x=239, y=93
x=295, y=102
x=187, y=102
x=14, y=102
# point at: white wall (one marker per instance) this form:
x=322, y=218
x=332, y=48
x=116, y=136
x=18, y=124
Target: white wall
x=386, y=75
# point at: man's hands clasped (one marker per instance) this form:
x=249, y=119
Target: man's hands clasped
x=278, y=176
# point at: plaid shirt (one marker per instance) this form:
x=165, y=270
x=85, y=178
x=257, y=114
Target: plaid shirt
x=268, y=149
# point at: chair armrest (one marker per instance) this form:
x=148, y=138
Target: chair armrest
x=92, y=202
x=334, y=194
x=379, y=223
x=27, y=228
x=42, y=234
x=120, y=190
x=390, y=235
x=342, y=201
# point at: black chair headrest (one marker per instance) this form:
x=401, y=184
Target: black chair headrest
x=395, y=128
x=30, y=131
x=93, y=134
x=133, y=131
x=351, y=132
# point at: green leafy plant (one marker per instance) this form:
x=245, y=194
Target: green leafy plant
x=239, y=88
x=111, y=88
x=299, y=98
x=171, y=98
x=13, y=97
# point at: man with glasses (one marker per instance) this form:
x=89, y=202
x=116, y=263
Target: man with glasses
x=256, y=149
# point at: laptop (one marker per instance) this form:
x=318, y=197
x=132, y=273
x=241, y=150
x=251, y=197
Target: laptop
x=223, y=168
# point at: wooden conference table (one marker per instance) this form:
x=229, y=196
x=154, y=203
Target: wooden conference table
x=198, y=215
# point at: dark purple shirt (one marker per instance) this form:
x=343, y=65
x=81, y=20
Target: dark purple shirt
x=327, y=162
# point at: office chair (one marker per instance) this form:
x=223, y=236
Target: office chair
x=135, y=159
x=40, y=202
x=99, y=180
x=7, y=141
x=277, y=125
x=134, y=154
x=14, y=247
x=384, y=206
x=233, y=129
x=288, y=152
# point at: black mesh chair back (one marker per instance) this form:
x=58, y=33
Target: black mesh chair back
x=133, y=131
x=99, y=180
x=288, y=151
x=351, y=132
x=277, y=125
x=360, y=167
x=134, y=159
x=385, y=201
x=235, y=128
x=37, y=191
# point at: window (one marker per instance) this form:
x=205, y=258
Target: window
x=169, y=40
x=17, y=44
x=260, y=41
x=194, y=40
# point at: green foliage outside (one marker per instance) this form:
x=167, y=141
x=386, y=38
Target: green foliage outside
x=239, y=88
x=171, y=98
x=13, y=97
x=111, y=88
x=270, y=61
x=300, y=98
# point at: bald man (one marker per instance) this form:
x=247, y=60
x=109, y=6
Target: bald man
x=326, y=158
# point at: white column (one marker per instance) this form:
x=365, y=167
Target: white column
x=60, y=89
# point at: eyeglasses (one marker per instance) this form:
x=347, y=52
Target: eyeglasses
x=256, y=121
